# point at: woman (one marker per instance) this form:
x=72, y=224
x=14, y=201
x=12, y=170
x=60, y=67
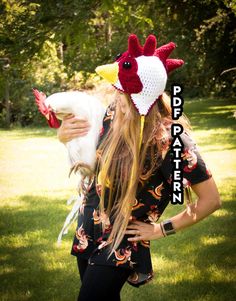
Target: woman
x=132, y=183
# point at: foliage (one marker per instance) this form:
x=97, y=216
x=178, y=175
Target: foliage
x=56, y=45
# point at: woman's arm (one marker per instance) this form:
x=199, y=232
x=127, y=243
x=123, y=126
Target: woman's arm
x=207, y=202
x=72, y=127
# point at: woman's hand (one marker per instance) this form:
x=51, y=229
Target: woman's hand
x=72, y=127
x=143, y=231
x=208, y=201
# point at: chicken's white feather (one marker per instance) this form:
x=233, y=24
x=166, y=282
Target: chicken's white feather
x=82, y=105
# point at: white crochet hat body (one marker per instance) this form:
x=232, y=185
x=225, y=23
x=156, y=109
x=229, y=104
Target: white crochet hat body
x=153, y=76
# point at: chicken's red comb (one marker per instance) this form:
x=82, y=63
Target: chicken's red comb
x=39, y=100
x=43, y=109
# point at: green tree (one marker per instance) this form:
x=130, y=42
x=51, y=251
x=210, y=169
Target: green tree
x=56, y=45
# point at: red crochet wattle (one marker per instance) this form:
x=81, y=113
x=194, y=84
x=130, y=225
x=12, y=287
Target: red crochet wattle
x=129, y=78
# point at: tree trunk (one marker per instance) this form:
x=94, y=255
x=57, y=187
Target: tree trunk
x=7, y=104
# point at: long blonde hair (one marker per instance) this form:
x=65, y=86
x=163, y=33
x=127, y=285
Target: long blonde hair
x=121, y=157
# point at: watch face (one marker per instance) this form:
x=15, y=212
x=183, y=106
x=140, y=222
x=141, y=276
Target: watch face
x=168, y=226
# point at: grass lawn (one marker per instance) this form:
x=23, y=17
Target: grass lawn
x=193, y=265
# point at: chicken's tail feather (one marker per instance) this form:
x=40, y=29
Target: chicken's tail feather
x=86, y=176
x=71, y=217
x=84, y=168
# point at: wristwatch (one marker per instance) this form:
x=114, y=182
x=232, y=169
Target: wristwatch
x=168, y=227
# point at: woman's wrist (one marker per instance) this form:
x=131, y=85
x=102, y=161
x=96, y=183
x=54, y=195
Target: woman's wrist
x=164, y=228
x=158, y=231
x=167, y=227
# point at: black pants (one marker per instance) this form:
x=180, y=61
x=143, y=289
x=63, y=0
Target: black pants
x=101, y=282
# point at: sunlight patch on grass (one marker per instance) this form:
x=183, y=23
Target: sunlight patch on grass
x=162, y=263
x=221, y=163
x=208, y=240
x=212, y=139
x=227, y=189
x=188, y=248
x=52, y=262
x=34, y=165
x=16, y=296
x=222, y=108
x=4, y=257
x=25, y=133
x=215, y=274
x=23, y=240
x=15, y=203
x=165, y=267
x=56, y=252
x=222, y=213
x=6, y=269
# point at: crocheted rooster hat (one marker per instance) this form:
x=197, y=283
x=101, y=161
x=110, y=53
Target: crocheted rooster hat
x=141, y=72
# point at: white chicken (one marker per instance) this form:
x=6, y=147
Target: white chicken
x=82, y=150
x=58, y=105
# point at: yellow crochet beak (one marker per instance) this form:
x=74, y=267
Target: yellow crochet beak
x=109, y=72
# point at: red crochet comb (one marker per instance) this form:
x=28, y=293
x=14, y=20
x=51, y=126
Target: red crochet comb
x=149, y=49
